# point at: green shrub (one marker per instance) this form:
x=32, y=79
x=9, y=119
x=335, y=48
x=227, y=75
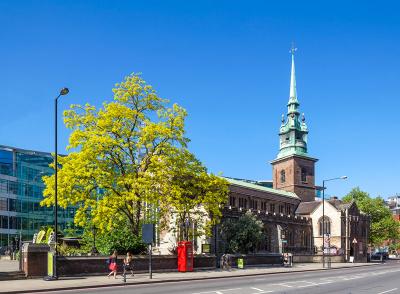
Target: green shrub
x=242, y=235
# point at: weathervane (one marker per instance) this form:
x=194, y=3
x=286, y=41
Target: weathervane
x=293, y=49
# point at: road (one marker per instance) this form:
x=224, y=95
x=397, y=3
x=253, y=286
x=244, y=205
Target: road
x=380, y=279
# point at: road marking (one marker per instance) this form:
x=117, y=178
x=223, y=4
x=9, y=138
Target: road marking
x=391, y=290
x=323, y=283
x=218, y=291
x=260, y=291
x=310, y=284
x=282, y=284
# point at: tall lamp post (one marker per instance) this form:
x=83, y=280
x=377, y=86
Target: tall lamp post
x=323, y=216
x=63, y=92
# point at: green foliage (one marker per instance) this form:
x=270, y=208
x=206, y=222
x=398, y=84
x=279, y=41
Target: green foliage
x=65, y=250
x=394, y=247
x=122, y=240
x=71, y=231
x=383, y=226
x=134, y=150
x=242, y=235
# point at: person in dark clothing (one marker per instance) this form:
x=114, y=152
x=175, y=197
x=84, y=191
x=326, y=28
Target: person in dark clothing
x=128, y=263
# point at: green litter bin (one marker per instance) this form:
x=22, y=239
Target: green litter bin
x=240, y=263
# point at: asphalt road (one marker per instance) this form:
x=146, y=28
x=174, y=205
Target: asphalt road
x=380, y=279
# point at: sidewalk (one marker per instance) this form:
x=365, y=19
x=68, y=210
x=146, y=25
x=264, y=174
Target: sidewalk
x=8, y=265
x=64, y=283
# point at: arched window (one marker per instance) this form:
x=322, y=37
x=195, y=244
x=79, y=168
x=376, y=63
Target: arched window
x=283, y=176
x=327, y=222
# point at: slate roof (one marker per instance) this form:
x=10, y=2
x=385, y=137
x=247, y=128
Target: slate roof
x=261, y=188
x=339, y=204
x=307, y=207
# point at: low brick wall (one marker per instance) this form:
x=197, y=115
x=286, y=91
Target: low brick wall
x=256, y=259
x=85, y=265
x=305, y=258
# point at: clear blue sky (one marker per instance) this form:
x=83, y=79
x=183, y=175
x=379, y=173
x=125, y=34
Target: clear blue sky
x=227, y=63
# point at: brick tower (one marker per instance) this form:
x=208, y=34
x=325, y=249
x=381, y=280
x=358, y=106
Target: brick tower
x=293, y=170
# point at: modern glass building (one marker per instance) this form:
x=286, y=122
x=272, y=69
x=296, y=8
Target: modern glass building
x=21, y=190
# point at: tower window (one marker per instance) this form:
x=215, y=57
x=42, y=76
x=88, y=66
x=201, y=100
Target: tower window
x=303, y=175
x=283, y=176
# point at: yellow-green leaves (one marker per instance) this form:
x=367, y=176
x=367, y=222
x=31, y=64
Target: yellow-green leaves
x=129, y=154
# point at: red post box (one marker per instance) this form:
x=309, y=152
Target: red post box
x=185, y=256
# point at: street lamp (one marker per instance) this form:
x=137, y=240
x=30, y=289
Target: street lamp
x=63, y=92
x=323, y=216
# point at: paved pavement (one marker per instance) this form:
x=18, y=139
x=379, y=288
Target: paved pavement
x=8, y=265
x=378, y=279
x=205, y=277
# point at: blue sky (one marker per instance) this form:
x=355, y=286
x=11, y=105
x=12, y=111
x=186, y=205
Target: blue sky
x=227, y=63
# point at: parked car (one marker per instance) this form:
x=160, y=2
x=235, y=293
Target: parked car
x=377, y=256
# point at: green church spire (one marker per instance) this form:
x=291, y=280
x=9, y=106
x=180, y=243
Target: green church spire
x=293, y=131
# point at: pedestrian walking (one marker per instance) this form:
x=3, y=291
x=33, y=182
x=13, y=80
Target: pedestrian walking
x=128, y=262
x=112, y=264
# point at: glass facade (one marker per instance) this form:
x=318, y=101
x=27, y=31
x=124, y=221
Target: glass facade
x=21, y=190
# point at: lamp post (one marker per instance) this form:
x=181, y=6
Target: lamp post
x=323, y=216
x=63, y=92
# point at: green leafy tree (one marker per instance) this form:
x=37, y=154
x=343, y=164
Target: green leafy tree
x=119, y=238
x=383, y=226
x=242, y=235
x=193, y=195
x=132, y=150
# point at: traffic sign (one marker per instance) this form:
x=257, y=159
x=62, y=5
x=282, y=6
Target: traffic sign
x=354, y=241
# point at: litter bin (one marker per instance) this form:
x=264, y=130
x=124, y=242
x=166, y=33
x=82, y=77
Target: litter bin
x=240, y=263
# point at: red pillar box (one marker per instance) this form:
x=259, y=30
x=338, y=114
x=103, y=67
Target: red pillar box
x=185, y=256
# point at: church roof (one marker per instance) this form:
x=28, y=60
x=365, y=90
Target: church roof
x=307, y=207
x=258, y=187
x=339, y=204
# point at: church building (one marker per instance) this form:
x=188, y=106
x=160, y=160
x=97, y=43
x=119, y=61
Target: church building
x=293, y=182
x=288, y=206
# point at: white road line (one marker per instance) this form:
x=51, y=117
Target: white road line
x=391, y=290
x=323, y=283
x=311, y=284
x=284, y=285
x=260, y=291
x=257, y=289
x=217, y=291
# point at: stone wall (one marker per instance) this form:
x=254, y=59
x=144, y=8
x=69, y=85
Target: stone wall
x=256, y=259
x=305, y=258
x=85, y=265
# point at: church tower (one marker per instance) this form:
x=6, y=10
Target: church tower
x=293, y=170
